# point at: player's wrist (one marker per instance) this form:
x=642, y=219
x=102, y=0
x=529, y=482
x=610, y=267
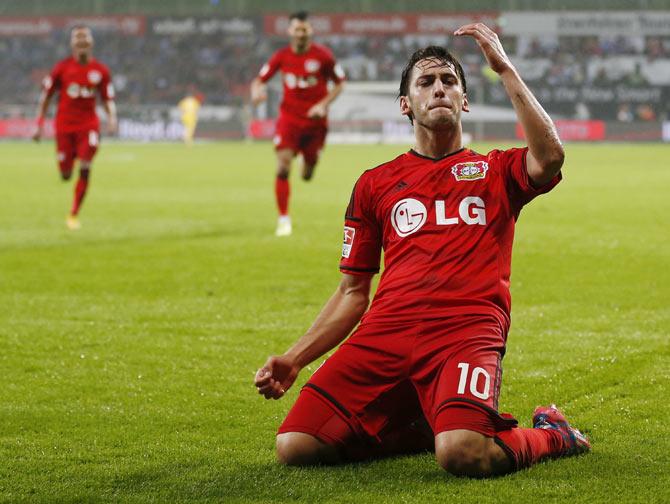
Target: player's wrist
x=295, y=359
x=509, y=71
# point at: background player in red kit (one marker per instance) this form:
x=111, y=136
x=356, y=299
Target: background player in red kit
x=428, y=350
x=302, y=125
x=78, y=79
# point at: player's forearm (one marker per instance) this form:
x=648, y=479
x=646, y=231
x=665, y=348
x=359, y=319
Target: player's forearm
x=110, y=108
x=333, y=93
x=337, y=319
x=43, y=105
x=257, y=90
x=543, y=141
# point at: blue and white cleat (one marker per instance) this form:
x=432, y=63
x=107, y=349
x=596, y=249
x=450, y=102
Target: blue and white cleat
x=550, y=417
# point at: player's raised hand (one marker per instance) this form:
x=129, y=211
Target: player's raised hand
x=276, y=376
x=489, y=43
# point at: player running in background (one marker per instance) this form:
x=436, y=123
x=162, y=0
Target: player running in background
x=189, y=106
x=302, y=125
x=77, y=79
x=430, y=346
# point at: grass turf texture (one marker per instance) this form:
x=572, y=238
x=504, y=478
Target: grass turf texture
x=127, y=349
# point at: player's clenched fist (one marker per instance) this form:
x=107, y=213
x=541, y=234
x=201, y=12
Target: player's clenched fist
x=276, y=376
x=489, y=43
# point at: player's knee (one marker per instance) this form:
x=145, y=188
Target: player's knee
x=84, y=173
x=463, y=455
x=284, y=165
x=461, y=461
x=298, y=449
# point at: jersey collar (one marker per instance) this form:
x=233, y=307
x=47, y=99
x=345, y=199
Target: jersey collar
x=415, y=153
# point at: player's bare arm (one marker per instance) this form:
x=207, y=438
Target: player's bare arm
x=338, y=317
x=42, y=107
x=545, y=152
x=258, y=91
x=320, y=109
x=110, y=108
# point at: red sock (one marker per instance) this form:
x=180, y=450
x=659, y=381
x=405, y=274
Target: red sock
x=79, y=191
x=282, y=192
x=528, y=446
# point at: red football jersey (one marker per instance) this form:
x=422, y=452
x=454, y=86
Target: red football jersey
x=305, y=77
x=78, y=84
x=446, y=227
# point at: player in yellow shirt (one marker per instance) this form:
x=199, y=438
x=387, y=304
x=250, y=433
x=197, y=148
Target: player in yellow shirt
x=189, y=107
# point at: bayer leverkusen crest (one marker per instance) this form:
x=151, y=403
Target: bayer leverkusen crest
x=472, y=170
x=94, y=77
x=312, y=65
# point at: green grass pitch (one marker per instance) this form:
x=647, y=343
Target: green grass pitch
x=127, y=349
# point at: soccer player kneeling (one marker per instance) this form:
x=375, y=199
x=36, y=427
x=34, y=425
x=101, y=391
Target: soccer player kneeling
x=423, y=369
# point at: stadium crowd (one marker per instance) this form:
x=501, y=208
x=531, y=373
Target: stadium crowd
x=156, y=68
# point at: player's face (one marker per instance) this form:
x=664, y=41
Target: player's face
x=435, y=99
x=81, y=42
x=300, y=33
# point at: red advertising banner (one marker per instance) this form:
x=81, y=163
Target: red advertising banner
x=383, y=24
x=24, y=128
x=44, y=25
x=574, y=130
x=261, y=129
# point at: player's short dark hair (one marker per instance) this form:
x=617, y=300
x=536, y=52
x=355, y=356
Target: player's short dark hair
x=300, y=16
x=431, y=52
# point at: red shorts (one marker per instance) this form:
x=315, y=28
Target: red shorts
x=81, y=144
x=386, y=376
x=304, y=136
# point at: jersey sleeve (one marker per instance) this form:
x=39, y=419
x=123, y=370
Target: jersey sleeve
x=333, y=70
x=52, y=82
x=362, y=245
x=270, y=68
x=106, y=86
x=512, y=163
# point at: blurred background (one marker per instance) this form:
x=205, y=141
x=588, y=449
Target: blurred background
x=601, y=68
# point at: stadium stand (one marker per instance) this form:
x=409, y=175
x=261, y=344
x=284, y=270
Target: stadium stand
x=582, y=73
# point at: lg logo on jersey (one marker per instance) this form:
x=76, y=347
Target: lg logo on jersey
x=409, y=215
x=76, y=91
x=293, y=81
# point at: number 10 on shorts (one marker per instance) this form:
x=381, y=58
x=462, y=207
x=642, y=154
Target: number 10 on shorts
x=474, y=379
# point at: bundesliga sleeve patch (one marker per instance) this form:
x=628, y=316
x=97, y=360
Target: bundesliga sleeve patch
x=349, y=234
x=339, y=72
x=472, y=170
